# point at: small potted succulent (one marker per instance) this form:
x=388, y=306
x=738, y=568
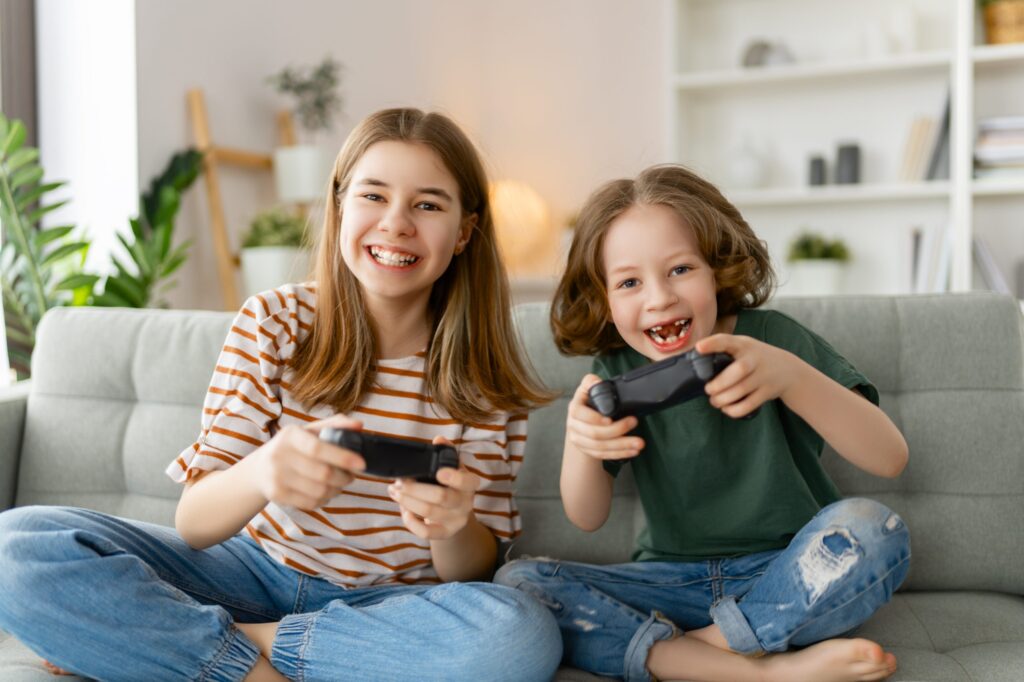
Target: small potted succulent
x=275, y=251
x=816, y=265
x=300, y=170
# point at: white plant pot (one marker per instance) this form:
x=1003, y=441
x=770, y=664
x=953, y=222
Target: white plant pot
x=268, y=267
x=815, y=277
x=301, y=173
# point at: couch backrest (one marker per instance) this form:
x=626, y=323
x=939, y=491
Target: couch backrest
x=116, y=394
x=951, y=375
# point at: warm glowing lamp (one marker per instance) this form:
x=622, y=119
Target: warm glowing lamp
x=523, y=223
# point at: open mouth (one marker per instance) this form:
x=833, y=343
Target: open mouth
x=670, y=334
x=392, y=258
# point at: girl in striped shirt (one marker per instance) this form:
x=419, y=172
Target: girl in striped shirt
x=288, y=562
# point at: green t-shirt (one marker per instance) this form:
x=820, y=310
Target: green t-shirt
x=712, y=486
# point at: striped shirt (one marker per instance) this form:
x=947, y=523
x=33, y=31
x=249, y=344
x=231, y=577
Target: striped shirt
x=357, y=538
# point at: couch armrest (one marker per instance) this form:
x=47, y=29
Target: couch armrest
x=13, y=400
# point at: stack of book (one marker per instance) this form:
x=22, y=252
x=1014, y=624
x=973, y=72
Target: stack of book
x=926, y=152
x=999, y=150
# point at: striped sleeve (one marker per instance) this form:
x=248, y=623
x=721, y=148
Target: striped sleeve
x=494, y=452
x=243, y=402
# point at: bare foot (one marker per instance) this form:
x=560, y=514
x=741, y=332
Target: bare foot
x=54, y=670
x=835, y=660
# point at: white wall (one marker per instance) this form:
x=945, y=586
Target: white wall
x=561, y=95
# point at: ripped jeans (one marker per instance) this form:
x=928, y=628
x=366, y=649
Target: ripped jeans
x=837, y=571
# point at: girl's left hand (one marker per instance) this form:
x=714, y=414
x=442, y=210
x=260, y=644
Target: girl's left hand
x=436, y=512
x=759, y=372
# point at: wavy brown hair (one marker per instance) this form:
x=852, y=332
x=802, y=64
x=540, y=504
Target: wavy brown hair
x=474, y=363
x=744, y=278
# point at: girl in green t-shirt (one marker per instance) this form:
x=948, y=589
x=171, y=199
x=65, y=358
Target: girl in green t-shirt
x=748, y=549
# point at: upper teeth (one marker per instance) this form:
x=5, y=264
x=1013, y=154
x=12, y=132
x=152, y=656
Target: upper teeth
x=392, y=257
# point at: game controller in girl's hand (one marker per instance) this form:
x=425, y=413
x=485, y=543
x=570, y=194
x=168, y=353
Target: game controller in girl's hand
x=658, y=385
x=394, y=457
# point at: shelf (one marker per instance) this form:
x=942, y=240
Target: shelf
x=710, y=80
x=991, y=54
x=836, y=194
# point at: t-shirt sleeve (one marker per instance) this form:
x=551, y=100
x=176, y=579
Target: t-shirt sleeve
x=785, y=332
x=242, y=404
x=494, y=452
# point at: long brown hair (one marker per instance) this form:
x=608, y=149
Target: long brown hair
x=474, y=363
x=744, y=278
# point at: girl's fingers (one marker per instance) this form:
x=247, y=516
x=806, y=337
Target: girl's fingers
x=734, y=373
x=458, y=479
x=602, y=431
x=416, y=526
x=734, y=393
x=581, y=412
x=747, y=405
x=417, y=506
x=618, y=449
x=341, y=458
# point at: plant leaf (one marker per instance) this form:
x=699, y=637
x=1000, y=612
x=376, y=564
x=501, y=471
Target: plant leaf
x=46, y=236
x=63, y=251
x=25, y=198
x=77, y=280
x=29, y=175
x=14, y=139
x=128, y=290
x=20, y=158
x=35, y=215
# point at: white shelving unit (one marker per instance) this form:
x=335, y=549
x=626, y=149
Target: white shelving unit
x=835, y=91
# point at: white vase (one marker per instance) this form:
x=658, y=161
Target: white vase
x=268, y=267
x=301, y=173
x=815, y=277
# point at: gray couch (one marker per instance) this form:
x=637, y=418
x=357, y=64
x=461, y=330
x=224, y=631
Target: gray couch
x=117, y=393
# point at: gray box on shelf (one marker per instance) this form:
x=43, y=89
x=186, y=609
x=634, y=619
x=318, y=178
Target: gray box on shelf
x=117, y=393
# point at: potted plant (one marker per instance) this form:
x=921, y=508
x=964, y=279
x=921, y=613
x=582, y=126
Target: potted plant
x=1004, y=21
x=274, y=251
x=816, y=265
x=300, y=170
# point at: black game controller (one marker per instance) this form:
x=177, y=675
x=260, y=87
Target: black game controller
x=394, y=457
x=658, y=385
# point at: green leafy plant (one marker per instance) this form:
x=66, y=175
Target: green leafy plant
x=315, y=90
x=276, y=227
x=813, y=246
x=153, y=260
x=39, y=268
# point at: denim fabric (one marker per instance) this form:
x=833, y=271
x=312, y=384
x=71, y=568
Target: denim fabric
x=838, y=570
x=122, y=600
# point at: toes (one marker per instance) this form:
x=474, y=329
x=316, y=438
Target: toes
x=870, y=651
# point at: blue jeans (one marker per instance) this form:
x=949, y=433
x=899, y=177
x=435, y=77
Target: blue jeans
x=121, y=600
x=838, y=570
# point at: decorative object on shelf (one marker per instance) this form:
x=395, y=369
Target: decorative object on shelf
x=746, y=167
x=816, y=171
x=760, y=52
x=529, y=245
x=816, y=265
x=874, y=41
x=903, y=26
x=275, y=251
x=300, y=170
x=848, y=164
x=1004, y=21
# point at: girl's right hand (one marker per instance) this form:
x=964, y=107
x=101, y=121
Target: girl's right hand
x=595, y=435
x=298, y=469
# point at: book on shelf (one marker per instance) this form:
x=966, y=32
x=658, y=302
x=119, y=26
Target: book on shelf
x=999, y=172
x=992, y=277
x=932, y=259
x=938, y=159
x=915, y=152
x=1001, y=123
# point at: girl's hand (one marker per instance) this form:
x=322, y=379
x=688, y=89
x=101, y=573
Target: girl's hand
x=759, y=372
x=436, y=512
x=297, y=469
x=595, y=435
